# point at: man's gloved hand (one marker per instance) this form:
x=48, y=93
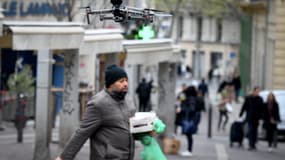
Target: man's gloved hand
x=158, y=126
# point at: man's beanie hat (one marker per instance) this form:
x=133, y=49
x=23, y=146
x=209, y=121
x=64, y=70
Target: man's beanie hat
x=114, y=73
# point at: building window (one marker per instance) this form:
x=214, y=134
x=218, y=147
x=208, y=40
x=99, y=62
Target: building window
x=216, y=59
x=199, y=28
x=180, y=27
x=219, y=30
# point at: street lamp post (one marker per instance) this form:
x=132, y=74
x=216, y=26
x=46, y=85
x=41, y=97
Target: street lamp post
x=198, y=48
x=198, y=45
x=1, y=17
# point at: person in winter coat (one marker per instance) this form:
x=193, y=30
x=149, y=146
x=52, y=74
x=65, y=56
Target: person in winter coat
x=271, y=118
x=223, y=112
x=20, y=117
x=144, y=91
x=189, y=112
x=106, y=122
x=181, y=97
x=237, y=86
x=203, y=88
x=200, y=107
x=253, y=106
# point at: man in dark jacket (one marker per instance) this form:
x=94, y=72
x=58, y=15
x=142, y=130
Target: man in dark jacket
x=144, y=91
x=237, y=85
x=203, y=87
x=253, y=106
x=106, y=122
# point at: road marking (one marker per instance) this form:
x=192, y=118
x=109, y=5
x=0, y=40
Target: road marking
x=221, y=152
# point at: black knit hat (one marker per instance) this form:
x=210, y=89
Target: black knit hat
x=114, y=73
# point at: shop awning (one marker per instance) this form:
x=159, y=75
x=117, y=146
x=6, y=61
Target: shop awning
x=149, y=52
x=43, y=35
x=102, y=41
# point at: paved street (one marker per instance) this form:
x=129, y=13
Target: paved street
x=216, y=148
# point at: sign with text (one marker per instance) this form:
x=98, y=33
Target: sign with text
x=34, y=8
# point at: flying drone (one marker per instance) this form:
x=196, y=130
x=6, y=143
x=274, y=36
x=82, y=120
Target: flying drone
x=120, y=13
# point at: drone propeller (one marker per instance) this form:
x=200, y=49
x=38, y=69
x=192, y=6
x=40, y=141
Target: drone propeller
x=120, y=13
x=145, y=9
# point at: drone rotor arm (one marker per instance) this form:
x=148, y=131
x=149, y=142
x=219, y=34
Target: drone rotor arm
x=133, y=12
x=104, y=11
x=162, y=15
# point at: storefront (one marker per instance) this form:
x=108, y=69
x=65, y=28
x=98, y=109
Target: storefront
x=101, y=47
x=44, y=39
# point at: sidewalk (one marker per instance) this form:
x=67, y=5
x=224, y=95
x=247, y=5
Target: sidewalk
x=203, y=147
x=10, y=150
x=215, y=148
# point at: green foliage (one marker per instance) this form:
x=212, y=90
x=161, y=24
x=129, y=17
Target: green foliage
x=213, y=8
x=22, y=82
x=170, y=5
x=208, y=7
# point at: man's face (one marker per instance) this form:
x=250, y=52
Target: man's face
x=184, y=87
x=256, y=91
x=120, y=85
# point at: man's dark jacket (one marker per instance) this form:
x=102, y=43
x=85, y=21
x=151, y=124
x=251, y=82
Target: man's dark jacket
x=254, y=107
x=106, y=123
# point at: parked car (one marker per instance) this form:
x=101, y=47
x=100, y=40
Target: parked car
x=280, y=98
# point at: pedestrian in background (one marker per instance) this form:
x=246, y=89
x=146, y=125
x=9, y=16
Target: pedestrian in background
x=203, y=88
x=253, y=106
x=106, y=122
x=200, y=107
x=210, y=75
x=223, y=112
x=189, y=110
x=181, y=97
x=20, y=117
x=144, y=91
x=271, y=118
x=222, y=86
x=237, y=86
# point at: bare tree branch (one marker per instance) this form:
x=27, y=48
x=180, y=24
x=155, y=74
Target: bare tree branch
x=168, y=5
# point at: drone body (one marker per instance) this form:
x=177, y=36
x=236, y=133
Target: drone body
x=120, y=13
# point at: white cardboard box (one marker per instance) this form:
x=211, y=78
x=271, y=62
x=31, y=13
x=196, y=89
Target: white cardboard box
x=142, y=122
